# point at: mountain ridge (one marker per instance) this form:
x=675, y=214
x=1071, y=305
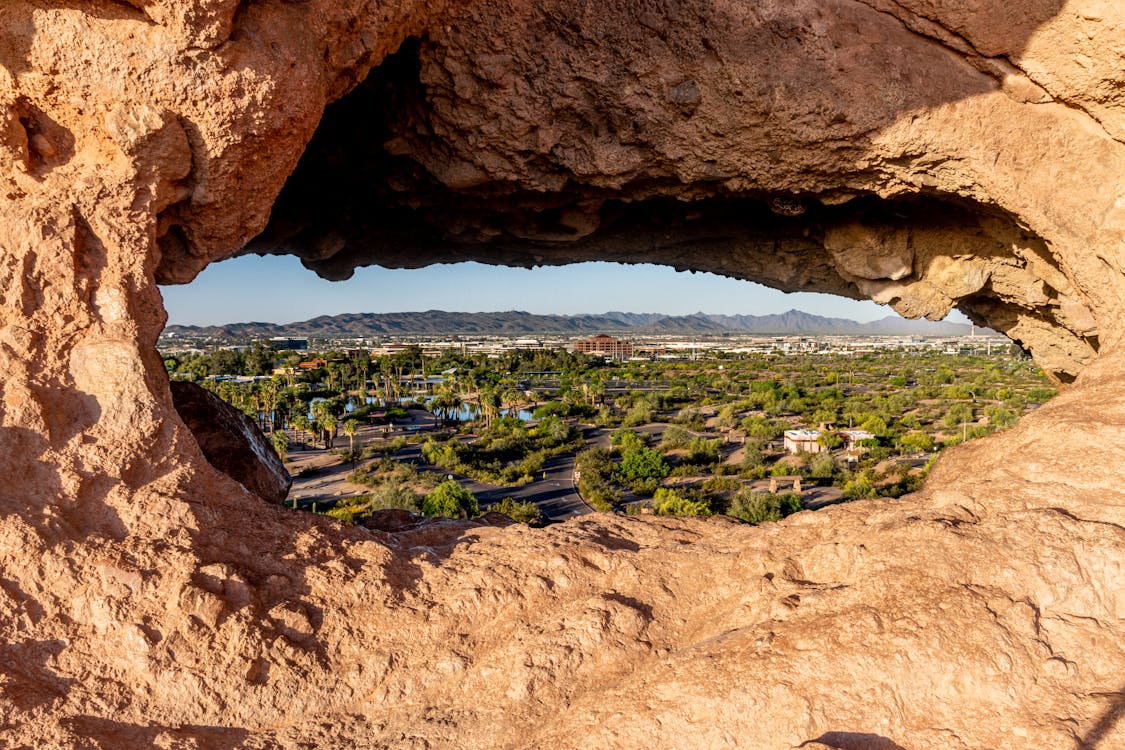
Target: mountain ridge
x=518, y=322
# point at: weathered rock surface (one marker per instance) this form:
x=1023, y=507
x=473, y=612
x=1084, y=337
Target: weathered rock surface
x=231, y=442
x=925, y=154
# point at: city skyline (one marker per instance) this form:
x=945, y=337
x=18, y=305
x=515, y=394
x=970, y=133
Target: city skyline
x=278, y=289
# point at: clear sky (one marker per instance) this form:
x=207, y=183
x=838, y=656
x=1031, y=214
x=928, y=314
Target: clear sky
x=278, y=289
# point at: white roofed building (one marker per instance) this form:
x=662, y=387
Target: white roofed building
x=803, y=441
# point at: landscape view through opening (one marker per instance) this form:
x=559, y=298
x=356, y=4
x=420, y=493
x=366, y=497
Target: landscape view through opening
x=545, y=416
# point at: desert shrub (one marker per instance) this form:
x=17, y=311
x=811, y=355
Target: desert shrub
x=599, y=493
x=752, y=456
x=523, y=512
x=627, y=440
x=716, y=485
x=674, y=437
x=701, y=451
x=760, y=471
x=352, y=510
x=915, y=442
x=450, y=500
x=384, y=447
x=690, y=418
x=645, y=487
x=758, y=507
x=758, y=426
x=639, y=414
x=552, y=431
x=395, y=495
x=859, y=487
x=823, y=466
x=668, y=502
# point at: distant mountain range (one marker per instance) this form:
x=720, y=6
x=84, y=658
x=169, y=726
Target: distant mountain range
x=518, y=323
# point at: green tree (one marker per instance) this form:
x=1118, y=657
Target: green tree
x=957, y=415
x=302, y=424
x=916, y=442
x=758, y=426
x=225, y=362
x=752, y=456
x=640, y=414
x=552, y=430
x=832, y=440
x=701, y=451
x=860, y=487
x=643, y=463
x=259, y=359
x=450, y=500
x=876, y=425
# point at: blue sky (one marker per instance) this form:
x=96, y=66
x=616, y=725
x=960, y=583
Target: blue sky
x=278, y=289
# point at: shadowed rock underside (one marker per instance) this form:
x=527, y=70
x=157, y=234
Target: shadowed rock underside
x=927, y=155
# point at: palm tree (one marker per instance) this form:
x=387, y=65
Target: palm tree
x=280, y=443
x=511, y=398
x=351, y=426
x=327, y=424
x=456, y=402
x=490, y=403
x=302, y=424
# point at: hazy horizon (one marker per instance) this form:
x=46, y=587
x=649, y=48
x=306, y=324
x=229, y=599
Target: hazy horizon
x=277, y=289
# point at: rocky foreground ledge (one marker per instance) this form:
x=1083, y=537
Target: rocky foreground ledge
x=987, y=612
x=925, y=155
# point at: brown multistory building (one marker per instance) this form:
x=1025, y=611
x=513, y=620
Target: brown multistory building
x=606, y=346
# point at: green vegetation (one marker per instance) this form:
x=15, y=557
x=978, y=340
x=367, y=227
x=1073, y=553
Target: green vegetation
x=693, y=437
x=758, y=507
x=506, y=452
x=667, y=502
x=596, y=471
x=450, y=500
x=523, y=512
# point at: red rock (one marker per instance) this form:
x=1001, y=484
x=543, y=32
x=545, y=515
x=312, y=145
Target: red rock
x=231, y=442
x=145, y=603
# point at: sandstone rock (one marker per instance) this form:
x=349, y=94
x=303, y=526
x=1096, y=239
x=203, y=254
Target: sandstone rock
x=231, y=441
x=867, y=254
x=144, y=602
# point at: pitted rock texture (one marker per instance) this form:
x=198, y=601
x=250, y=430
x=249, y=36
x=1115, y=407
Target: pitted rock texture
x=924, y=154
x=231, y=442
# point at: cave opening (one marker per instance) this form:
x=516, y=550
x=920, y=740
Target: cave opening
x=393, y=178
x=735, y=415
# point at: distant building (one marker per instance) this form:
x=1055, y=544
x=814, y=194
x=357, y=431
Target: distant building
x=798, y=441
x=525, y=344
x=606, y=346
x=853, y=437
x=313, y=364
x=284, y=342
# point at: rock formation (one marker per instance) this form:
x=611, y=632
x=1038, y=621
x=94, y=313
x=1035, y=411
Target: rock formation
x=923, y=154
x=231, y=442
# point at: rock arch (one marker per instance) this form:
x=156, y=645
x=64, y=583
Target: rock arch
x=922, y=154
